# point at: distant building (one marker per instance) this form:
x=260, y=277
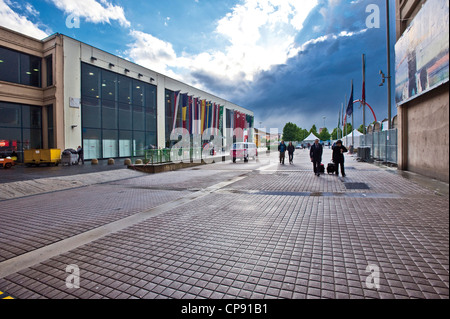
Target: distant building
x=61, y=93
x=422, y=86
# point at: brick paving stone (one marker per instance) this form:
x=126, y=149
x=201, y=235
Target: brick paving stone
x=274, y=234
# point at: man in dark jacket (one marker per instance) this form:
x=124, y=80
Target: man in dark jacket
x=338, y=157
x=315, y=153
x=80, y=155
x=282, y=150
x=291, y=150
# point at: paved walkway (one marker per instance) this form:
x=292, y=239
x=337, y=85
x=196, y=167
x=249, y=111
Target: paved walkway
x=245, y=230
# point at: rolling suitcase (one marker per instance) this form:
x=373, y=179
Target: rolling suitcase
x=331, y=168
x=322, y=168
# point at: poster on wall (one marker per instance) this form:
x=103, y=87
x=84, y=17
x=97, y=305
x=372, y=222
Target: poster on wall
x=422, y=53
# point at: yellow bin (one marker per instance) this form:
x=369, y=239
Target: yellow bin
x=36, y=157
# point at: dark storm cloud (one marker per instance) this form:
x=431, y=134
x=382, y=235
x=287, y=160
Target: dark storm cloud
x=314, y=83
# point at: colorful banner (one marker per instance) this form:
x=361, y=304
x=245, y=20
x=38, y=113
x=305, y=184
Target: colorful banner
x=422, y=52
x=221, y=111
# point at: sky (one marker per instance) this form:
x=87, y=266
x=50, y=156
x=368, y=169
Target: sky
x=286, y=60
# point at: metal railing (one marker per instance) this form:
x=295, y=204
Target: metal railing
x=160, y=156
x=383, y=145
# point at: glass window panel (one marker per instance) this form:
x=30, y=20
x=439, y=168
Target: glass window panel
x=32, y=138
x=31, y=116
x=125, y=117
x=109, y=85
x=110, y=144
x=91, y=144
x=51, y=138
x=91, y=112
x=49, y=63
x=169, y=111
x=9, y=65
x=90, y=81
x=150, y=97
x=150, y=120
x=109, y=114
x=125, y=143
x=151, y=140
x=10, y=115
x=124, y=89
x=138, y=93
x=138, y=118
x=30, y=70
x=169, y=105
x=11, y=141
x=138, y=143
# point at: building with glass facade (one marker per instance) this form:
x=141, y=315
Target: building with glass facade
x=61, y=93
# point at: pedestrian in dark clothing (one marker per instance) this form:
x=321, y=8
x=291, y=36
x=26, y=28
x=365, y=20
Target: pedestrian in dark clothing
x=338, y=157
x=80, y=155
x=291, y=150
x=282, y=150
x=315, y=153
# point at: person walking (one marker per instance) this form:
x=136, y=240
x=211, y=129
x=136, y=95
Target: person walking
x=338, y=157
x=315, y=153
x=291, y=150
x=282, y=150
x=80, y=155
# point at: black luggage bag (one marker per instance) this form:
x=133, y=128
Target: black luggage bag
x=331, y=168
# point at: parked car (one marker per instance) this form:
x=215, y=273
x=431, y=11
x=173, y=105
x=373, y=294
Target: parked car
x=6, y=162
x=243, y=150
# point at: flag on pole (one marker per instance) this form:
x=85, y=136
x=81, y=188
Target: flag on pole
x=213, y=124
x=350, y=104
x=339, y=119
x=184, y=102
x=176, y=102
x=203, y=115
x=190, y=114
x=221, y=119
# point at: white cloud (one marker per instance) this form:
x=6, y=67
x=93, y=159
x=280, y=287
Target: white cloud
x=258, y=34
x=152, y=52
x=11, y=20
x=93, y=11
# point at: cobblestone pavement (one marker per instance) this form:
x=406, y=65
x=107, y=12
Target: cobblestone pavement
x=245, y=230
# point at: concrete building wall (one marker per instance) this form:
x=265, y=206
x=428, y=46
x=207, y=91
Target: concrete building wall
x=424, y=134
x=423, y=122
x=72, y=90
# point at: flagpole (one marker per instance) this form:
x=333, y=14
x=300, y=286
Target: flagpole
x=364, y=93
x=353, y=128
x=345, y=122
x=342, y=122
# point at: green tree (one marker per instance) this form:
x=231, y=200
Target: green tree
x=290, y=132
x=313, y=130
x=348, y=129
x=324, y=135
x=303, y=133
x=361, y=129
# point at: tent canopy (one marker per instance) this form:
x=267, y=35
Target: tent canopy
x=355, y=132
x=311, y=137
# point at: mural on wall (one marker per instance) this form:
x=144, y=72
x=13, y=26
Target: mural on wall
x=422, y=53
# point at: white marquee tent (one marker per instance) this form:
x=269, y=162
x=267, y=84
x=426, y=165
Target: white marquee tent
x=347, y=140
x=310, y=139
